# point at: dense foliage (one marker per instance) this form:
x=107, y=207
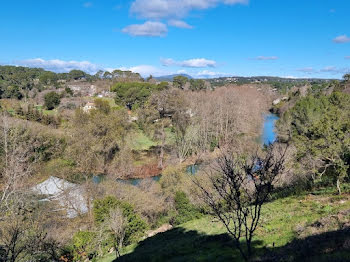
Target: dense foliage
x=185, y=210
x=134, y=94
x=320, y=128
x=52, y=100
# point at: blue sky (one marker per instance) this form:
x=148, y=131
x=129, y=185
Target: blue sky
x=204, y=38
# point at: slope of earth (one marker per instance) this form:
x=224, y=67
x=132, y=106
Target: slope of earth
x=310, y=227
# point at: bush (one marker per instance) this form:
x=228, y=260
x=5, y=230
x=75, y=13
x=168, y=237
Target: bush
x=84, y=245
x=102, y=105
x=185, y=210
x=136, y=225
x=52, y=100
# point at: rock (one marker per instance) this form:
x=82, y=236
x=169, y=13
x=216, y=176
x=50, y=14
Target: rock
x=299, y=228
x=276, y=102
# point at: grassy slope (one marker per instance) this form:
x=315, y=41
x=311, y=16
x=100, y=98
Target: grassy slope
x=283, y=220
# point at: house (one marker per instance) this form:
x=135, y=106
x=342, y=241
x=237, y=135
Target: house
x=89, y=106
x=69, y=196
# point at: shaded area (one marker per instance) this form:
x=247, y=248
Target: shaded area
x=181, y=245
x=332, y=246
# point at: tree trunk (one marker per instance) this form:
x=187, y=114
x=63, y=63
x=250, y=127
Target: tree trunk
x=161, y=155
x=338, y=186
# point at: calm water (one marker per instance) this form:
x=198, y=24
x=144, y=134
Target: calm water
x=269, y=133
x=137, y=181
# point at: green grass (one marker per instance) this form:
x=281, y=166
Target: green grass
x=206, y=240
x=46, y=112
x=139, y=141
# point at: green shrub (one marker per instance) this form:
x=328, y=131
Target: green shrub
x=136, y=225
x=84, y=245
x=52, y=100
x=185, y=210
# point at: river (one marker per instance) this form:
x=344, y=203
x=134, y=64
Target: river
x=269, y=135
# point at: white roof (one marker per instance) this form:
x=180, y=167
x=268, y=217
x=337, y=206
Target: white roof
x=70, y=196
x=53, y=186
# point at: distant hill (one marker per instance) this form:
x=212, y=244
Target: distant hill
x=264, y=79
x=171, y=77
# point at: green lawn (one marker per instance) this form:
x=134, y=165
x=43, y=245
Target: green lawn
x=283, y=220
x=139, y=141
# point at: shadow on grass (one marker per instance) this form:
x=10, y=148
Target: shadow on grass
x=181, y=245
x=332, y=246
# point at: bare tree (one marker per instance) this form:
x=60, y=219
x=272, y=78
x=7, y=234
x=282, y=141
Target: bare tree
x=240, y=187
x=117, y=224
x=22, y=234
x=17, y=160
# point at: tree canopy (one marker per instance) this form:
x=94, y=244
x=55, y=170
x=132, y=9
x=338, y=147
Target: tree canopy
x=320, y=128
x=52, y=99
x=134, y=94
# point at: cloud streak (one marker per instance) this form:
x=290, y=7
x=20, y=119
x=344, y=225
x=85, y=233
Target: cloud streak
x=342, y=39
x=266, y=58
x=194, y=63
x=308, y=70
x=328, y=69
x=148, y=28
x=179, y=24
x=169, y=9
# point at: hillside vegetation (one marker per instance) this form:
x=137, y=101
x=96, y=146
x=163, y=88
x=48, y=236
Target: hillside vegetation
x=94, y=166
x=308, y=227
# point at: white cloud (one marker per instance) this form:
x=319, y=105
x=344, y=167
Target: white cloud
x=195, y=63
x=341, y=39
x=149, y=28
x=179, y=24
x=210, y=74
x=146, y=70
x=347, y=57
x=167, y=9
x=265, y=58
x=60, y=66
x=290, y=77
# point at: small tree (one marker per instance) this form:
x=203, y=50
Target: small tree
x=117, y=225
x=180, y=81
x=347, y=77
x=52, y=100
x=240, y=187
x=102, y=105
